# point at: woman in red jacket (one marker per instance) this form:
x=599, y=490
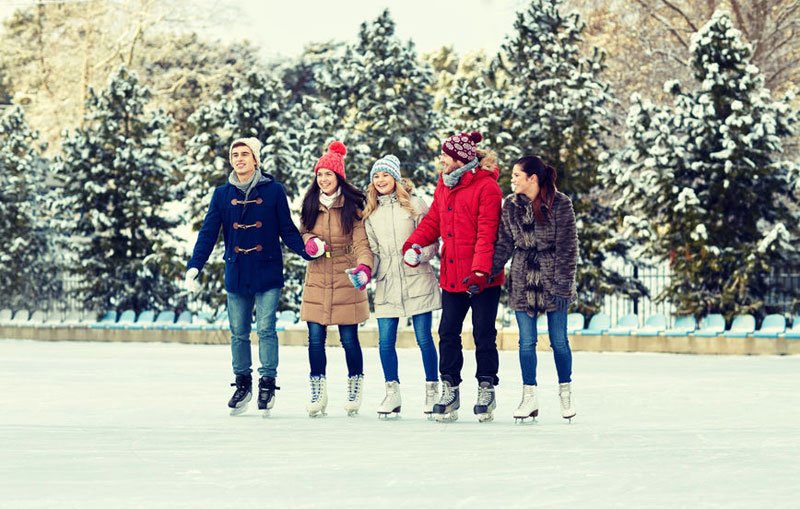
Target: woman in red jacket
x=465, y=213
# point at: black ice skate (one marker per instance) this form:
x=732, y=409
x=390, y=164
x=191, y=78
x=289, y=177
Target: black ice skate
x=486, y=402
x=266, y=394
x=446, y=410
x=242, y=394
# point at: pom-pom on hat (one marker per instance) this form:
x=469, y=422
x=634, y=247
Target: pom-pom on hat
x=388, y=163
x=333, y=159
x=462, y=146
x=252, y=143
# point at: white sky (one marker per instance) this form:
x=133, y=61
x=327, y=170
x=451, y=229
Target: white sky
x=284, y=27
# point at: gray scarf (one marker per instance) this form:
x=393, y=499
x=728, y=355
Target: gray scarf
x=248, y=186
x=452, y=179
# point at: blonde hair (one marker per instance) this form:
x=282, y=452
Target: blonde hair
x=487, y=158
x=404, y=189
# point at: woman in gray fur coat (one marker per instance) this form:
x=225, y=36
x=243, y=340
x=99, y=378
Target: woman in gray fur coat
x=537, y=231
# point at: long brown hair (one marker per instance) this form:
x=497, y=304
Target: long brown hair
x=403, y=189
x=351, y=211
x=547, y=177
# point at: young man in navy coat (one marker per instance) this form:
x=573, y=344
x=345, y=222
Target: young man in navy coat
x=253, y=212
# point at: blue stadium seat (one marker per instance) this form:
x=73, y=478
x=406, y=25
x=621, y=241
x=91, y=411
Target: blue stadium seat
x=653, y=326
x=684, y=325
x=772, y=326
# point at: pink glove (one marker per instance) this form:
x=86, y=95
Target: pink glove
x=476, y=283
x=315, y=247
x=360, y=276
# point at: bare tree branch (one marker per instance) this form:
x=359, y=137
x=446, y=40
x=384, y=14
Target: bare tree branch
x=665, y=22
x=682, y=14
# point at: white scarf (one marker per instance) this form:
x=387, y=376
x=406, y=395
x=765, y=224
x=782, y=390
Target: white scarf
x=328, y=200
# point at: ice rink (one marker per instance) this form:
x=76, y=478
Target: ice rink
x=127, y=425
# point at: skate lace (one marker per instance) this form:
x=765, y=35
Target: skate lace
x=240, y=392
x=316, y=389
x=353, y=387
x=566, y=400
x=448, y=395
x=430, y=395
x=484, y=395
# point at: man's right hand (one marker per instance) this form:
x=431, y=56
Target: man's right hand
x=315, y=247
x=191, y=282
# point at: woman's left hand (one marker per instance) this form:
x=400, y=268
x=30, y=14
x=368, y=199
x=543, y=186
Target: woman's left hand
x=360, y=276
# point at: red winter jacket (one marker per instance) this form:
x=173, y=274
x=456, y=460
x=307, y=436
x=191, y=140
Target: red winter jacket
x=466, y=217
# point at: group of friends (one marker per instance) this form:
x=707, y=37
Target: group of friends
x=389, y=235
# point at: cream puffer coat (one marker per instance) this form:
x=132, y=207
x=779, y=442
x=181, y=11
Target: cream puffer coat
x=328, y=295
x=400, y=290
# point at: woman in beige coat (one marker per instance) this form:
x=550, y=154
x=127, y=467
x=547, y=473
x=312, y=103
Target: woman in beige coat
x=403, y=287
x=333, y=293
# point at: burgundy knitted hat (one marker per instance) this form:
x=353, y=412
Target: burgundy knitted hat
x=462, y=146
x=333, y=159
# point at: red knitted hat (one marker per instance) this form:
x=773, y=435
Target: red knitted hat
x=462, y=146
x=333, y=159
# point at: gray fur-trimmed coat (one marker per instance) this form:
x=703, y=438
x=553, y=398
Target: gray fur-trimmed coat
x=544, y=257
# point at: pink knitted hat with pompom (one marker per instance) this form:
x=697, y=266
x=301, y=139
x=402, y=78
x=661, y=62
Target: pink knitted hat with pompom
x=333, y=159
x=462, y=146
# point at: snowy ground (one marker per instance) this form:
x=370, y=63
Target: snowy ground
x=113, y=425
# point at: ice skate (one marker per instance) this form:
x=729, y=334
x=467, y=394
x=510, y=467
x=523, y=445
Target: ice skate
x=391, y=403
x=565, y=395
x=529, y=406
x=319, y=397
x=486, y=404
x=355, y=389
x=446, y=410
x=431, y=397
x=242, y=394
x=266, y=394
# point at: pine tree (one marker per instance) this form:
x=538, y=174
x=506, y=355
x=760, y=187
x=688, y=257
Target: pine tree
x=556, y=106
x=704, y=180
x=117, y=175
x=29, y=272
x=380, y=95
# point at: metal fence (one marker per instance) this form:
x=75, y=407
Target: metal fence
x=783, y=288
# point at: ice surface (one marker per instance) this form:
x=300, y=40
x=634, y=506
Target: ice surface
x=124, y=425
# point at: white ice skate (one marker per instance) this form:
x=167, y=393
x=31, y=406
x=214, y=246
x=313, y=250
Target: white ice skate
x=319, y=397
x=565, y=395
x=446, y=410
x=355, y=390
x=391, y=403
x=529, y=406
x=486, y=404
x=431, y=397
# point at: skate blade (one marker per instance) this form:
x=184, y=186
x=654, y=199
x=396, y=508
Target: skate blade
x=394, y=414
x=523, y=420
x=569, y=417
x=352, y=413
x=239, y=410
x=485, y=417
x=315, y=415
x=265, y=413
x=451, y=417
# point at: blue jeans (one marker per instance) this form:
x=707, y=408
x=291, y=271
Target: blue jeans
x=240, y=314
x=557, y=330
x=387, y=339
x=348, y=334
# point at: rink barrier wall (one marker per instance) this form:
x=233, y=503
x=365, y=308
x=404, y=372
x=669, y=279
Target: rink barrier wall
x=507, y=339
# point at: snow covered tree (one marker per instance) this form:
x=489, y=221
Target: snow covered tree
x=380, y=95
x=29, y=272
x=474, y=102
x=556, y=106
x=704, y=181
x=117, y=176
